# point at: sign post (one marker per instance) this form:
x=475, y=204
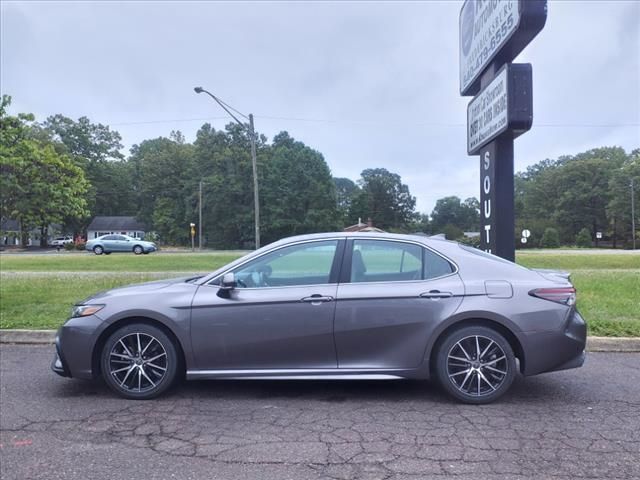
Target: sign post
x=492, y=34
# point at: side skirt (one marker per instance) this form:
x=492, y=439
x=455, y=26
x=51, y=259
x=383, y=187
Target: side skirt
x=300, y=374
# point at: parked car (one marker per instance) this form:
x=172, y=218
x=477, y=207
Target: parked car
x=119, y=243
x=335, y=305
x=60, y=241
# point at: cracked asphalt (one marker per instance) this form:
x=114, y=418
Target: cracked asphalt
x=581, y=423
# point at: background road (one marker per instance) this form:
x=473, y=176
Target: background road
x=581, y=423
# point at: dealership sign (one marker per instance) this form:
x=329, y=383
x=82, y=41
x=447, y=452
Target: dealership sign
x=505, y=104
x=495, y=31
x=492, y=34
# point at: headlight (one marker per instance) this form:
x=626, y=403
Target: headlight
x=85, y=310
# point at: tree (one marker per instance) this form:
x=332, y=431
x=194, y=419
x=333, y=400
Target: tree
x=550, y=238
x=583, y=239
x=619, y=206
x=39, y=185
x=96, y=149
x=298, y=191
x=452, y=211
x=383, y=198
x=346, y=190
x=164, y=187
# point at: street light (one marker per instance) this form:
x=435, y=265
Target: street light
x=252, y=138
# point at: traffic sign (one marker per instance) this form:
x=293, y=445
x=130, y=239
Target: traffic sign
x=526, y=233
x=505, y=104
x=495, y=31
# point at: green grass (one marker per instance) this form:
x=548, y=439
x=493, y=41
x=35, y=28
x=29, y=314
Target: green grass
x=28, y=301
x=608, y=284
x=117, y=262
x=575, y=262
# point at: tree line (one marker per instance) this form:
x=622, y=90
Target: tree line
x=67, y=171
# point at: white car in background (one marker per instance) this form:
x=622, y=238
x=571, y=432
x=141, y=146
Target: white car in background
x=60, y=241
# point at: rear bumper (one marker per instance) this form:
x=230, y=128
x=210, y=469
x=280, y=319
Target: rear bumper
x=552, y=351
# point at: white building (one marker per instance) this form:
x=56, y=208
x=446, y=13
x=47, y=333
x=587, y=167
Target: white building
x=119, y=225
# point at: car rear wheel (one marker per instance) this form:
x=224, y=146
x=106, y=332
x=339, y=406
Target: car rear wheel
x=139, y=361
x=475, y=364
x=98, y=250
x=138, y=250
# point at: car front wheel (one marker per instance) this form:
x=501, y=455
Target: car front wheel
x=475, y=364
x=139, y=361
x=98, y=250
x=138, y=250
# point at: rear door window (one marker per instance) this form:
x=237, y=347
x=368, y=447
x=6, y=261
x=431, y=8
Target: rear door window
x=385, y=261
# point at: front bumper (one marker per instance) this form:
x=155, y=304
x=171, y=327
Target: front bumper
x=58, y=365
x=74, y=347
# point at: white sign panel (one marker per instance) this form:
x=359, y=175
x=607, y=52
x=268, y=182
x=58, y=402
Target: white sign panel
x=488, y=113
x=485, y=26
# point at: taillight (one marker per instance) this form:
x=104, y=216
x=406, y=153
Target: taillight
x=563, y=295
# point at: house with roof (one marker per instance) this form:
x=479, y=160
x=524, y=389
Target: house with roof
x=115, y=225
x=363, y=227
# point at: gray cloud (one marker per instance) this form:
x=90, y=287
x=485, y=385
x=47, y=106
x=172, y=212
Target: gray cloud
x=382, y=77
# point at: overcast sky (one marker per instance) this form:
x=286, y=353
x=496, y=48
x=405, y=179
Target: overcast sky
x=368, y=84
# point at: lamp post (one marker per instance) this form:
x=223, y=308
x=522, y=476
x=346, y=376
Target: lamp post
x=252, y=138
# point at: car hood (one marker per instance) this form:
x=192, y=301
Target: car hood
x=134, y=289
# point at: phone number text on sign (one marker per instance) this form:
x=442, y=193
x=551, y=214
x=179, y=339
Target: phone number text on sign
x=485, y=25
x=488, y=113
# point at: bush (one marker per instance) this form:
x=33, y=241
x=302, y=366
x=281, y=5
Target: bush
x=550, y=238
x=583, y=239
x=471, y=241
x=80, y=245
x=451, y=232
x=69, y=246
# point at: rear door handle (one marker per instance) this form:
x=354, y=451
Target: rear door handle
x=316, y=299
x=436, y=294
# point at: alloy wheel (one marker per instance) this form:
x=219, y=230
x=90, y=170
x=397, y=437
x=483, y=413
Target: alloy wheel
x=138, y=362
x=477, y=366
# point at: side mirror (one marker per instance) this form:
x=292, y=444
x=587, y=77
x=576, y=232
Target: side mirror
x=227, y=284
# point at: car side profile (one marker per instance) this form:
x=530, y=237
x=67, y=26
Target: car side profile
x=119, y=243
x=333, y=306
x=60, y=241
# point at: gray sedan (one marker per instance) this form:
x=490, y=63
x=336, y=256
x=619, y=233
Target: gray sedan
x=119, y=243
x=338, y=306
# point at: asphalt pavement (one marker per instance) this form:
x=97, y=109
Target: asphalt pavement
x=581, y=423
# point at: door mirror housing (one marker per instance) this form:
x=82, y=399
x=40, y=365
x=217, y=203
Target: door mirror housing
x=227, y=284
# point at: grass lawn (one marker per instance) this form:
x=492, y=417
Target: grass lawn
x=117, y=262
x=608, y=284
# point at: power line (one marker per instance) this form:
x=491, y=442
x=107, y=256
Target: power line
x=365, y=122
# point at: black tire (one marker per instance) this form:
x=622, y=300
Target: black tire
x=107, y=253
x=133, y=376
x=98, y=250
x=138, y=250
x=468, y=379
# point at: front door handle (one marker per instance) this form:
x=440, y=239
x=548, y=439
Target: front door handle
x=317, y=299
x=436, y=294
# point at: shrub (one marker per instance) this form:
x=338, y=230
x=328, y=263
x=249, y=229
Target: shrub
x=451, y=232
x=583, y=239
x=471, y=241
x=80, y=245
x=550, y=238
x=69, y=246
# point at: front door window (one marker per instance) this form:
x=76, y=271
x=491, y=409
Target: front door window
x=303, y=264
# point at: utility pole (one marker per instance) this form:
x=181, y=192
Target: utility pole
x=200, y=216
x=633, y=215
x=256, y=203
x=254, y=166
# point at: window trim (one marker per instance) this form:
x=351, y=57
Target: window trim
x=345, y=273
x=334, y=273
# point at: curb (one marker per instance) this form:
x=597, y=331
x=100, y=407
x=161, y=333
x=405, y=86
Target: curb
x=594, y=344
